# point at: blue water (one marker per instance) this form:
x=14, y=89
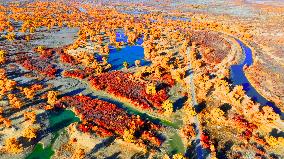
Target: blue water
x=238, y=78
x=129, y=53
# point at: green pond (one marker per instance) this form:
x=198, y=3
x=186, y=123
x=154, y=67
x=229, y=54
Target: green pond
x=58, y=121
x=61, y=119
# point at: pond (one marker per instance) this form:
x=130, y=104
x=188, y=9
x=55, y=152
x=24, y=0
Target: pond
x=128, y=53
x=57, y=121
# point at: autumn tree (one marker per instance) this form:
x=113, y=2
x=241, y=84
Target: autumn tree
x=52, y=97
x=30, y=116
x=79, y=154
x=188, y=131
x=168, y=106
x=2, y=56
x=125, y=64
x=29, y=93
x=237, y=94
x=151, y=88
x=10, y=84
x=12, y=145
x=30, y=133
x=15, y=101
x=273, y=141
x=189, y=112
x=179, y=156
x=128, y=135
x=40, y=49
x=137, y=63
x=217, y=114
x=104, y=60
x=5, y=121
x=11, y=36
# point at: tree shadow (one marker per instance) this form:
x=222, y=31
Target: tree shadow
x=179, y=103
x=114, y=156
x=277, y=133
x=195, y=149
x=188, y=72
x=9, y=112
x=140, y=156
x=50, y=89
x=16, y=74
x=225, y=107
x=199, y=107
x=105, y=143
x=222, y=152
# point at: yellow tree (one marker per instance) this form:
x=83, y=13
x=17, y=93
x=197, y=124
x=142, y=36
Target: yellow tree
x=125, y=64
x=30, y=133
x=217, y=114
x=7, y=122
x=179, y=156
x=14, y=101
x=12, y=145
x=168, y=106
x=10, y=84
x=2, y=56
x=137, y=63
x=29, y=93
x=269, y=115
x=11, y=36
x=31, y=116
x=79, y=154
x=189, y=113
x=52, y=97
x=128, y=135
x=151, y=89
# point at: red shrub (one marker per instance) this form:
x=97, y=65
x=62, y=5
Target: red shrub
x=65, y=58
x=122, y=85
x=106, y=119
x=74, y=74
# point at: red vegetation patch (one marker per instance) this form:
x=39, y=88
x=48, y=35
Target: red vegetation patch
x=122, y=85
x=214, y=41
x=243, y=123
x=167, y=78
x=42, y=64
x=205, y=140
x=46, y=69
x=75, y=74
x=247, y=127
x=106, y=119
x=65, y=58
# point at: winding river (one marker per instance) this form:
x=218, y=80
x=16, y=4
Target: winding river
x=238, y=77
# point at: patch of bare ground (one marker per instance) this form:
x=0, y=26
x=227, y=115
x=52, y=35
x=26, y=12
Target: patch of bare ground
x=268, y=80
x=214, y=47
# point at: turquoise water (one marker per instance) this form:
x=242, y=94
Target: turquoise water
x=41, y=153
x=58, y=121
